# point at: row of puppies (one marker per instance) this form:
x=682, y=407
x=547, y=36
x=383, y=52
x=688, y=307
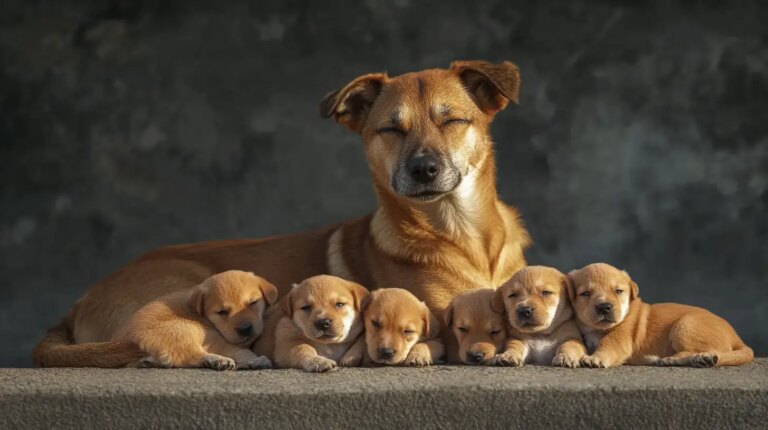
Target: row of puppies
x=322, y=323
x=539, y=316
x=592, y=317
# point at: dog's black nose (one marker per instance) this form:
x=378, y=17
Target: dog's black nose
x=386, y=353
x=423, y=169
x=524, y=312
x=475, y=357
x=322, y=323
x=604, y=308
x=245, y=329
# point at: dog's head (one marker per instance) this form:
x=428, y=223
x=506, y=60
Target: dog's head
x=601, y=295
x=426, y=132
x=534, y=300
x=234, y=302
x=395, y=320
x=326, y=308
x=480, y=331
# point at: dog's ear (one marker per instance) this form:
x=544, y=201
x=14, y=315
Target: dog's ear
x=269, y=291
x=431, y=325
x=491, y=85
x=286, y=305
x=448, y=315
x=350, y=105
x=497, y=303
x=570, y=286
x=634, y=290
x=359, y=293
x=196, y=299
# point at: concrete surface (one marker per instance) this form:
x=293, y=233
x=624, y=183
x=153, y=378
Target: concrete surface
x=640, y=139
x=438, y=397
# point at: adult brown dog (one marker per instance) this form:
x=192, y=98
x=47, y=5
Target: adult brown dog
x=619, y=328
x=439, y=227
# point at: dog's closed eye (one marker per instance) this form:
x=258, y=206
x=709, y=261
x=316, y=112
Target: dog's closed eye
x=223, y=312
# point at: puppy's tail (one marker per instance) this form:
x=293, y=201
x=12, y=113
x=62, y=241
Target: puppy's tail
x=741, y=355
x=57, y=350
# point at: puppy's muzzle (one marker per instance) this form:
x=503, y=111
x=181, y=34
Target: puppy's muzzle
x=323, y=324
x=244, y=330
x=386, y=353
x=475, y=357
x=603, y=309
x=524, y=312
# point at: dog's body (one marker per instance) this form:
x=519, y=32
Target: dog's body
x=541, y=327
x=319, y=326
x=213, y=325
x=620, y=329
x=439, y=228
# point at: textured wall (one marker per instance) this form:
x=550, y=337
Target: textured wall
x=641, y=137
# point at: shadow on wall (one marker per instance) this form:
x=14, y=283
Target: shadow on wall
x=640, y=138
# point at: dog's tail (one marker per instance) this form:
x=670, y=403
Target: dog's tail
x=57, y=350
x=741, y=355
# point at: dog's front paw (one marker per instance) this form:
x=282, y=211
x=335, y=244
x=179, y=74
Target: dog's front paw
x=565, y=360
x=418, y=356
x=319, y=365
x=704, y=360
x=508, y=358
x=351, y=360
x=261, y=362
x=218, y=362
x=594, y=361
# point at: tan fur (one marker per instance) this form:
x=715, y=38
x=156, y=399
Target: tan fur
x=397, y=321
x=436, y=247
x=299, y=343
x=199, y=328
x=637, y=333
x=549, y=335
x=479, y=330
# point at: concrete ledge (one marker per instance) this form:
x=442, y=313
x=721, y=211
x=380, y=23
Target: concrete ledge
x=436, y=397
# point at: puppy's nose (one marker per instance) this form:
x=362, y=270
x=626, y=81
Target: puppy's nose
x=524, y=312
x=475, y=357
x=604, y=308
x=322, y=324
x=386, y=353
x=423, y=169
x=245, y=329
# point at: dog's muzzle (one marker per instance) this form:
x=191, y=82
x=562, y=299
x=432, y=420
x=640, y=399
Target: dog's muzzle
x=425, y=177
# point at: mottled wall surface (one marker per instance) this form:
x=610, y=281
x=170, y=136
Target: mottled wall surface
x=641, y=137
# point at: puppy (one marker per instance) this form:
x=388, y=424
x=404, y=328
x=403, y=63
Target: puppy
x=400, y=329
x=541, y=328
x=321, y=327
x=619, y=328
x=210, y=326
x=480, y=331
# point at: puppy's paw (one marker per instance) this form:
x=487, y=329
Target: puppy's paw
x=704, y=360
x=261, y=362
x=593, y=361
x=319, y=365
x=508, y=358
x=565, y=360
x=218, y=362
x=351, y=360
x=419, y=356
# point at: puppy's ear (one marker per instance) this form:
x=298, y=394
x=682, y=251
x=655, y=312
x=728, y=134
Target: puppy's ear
x=431, y=325
x=269, y=291
x=497, y=303
x=634, y=290
x=196, y=299
x=365, y=302
x=448, y=315
x=350, y=105
x=491, y=85
x=286, y=305
x=359, y=293
x=569, y=286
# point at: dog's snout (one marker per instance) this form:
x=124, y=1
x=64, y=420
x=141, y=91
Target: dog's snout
x=524, y=311
x=475, y=357
x=386, y=353
x=244, y=329
x=604, y=308
x=323, y=324
x=423, y=169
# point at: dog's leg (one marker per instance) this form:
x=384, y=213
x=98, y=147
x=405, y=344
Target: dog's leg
x=305, y=356
x=515, y=353
x=246, y=359
x=691, y=359
x=572, y=349
x=614, y=349
x=354, y=356
x=425, y=353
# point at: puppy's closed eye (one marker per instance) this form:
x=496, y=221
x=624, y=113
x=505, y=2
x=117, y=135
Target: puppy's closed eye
x=222, y=312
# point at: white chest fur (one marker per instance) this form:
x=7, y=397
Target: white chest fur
x=333, y=351
x=591, y=340
x=541, y=350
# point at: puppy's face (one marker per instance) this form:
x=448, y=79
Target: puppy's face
x=395, y=320
x=479, y=330
x=601, y=295
x=234, y=302
x=534, y=299
x=326, y=308
x=425, y=132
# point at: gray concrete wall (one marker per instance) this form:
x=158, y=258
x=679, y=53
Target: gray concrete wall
x=641, y=137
